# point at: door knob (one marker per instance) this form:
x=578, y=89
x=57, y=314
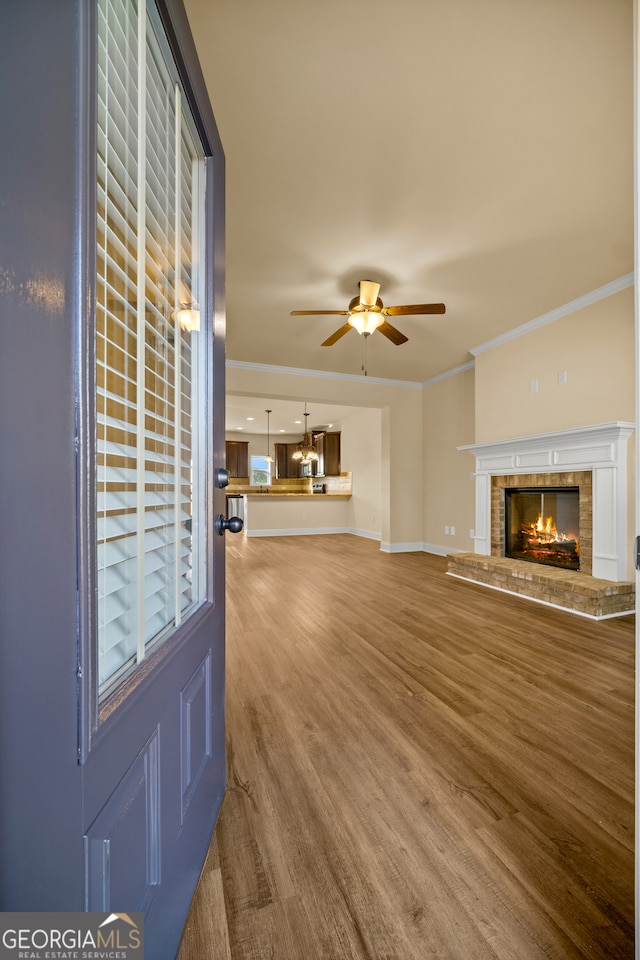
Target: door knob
x=232, y=524
x=222, y=477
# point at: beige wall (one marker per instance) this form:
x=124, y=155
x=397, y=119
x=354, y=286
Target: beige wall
x=595, y=346
x=449, y=496
x=362, y=456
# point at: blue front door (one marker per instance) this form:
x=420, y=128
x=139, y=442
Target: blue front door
x=112, y=760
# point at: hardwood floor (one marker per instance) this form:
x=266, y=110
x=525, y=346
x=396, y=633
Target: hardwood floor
x=418, y=767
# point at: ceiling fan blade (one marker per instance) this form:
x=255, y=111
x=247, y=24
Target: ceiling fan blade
x=329, y=342
x=413, y=309
x=369, y=292
x=319, y=313
x=392, y=334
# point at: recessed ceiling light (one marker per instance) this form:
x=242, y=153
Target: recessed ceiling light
x=250, y=418
x=297, y=421
x=240, y=428
x=283, y=431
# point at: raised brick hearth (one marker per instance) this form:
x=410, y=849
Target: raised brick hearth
x=576, y=592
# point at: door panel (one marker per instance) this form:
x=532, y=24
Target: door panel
x=153, y=787
x=195, y=727
x=122, y=843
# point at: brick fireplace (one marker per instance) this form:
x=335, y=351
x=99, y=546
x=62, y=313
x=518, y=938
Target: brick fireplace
x=591, y=459
x=581, y=479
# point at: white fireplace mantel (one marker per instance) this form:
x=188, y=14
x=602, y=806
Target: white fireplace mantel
x=601, y=449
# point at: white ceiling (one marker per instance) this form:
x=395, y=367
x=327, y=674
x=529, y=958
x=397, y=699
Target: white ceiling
x=476, y=152
x=286, y=416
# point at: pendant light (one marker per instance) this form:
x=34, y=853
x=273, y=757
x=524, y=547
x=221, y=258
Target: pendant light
x=268, y=457
x=305, y=451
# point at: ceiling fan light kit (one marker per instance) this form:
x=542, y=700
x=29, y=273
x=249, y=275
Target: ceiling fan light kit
x=367, y=313
x=366, y=322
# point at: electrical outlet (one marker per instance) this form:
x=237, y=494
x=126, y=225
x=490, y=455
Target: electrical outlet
x=446, y=530
x=562, y=376
x=453, y=531
x=303, y=516
x=533, y=386
x=472, y=476
x=472, y=533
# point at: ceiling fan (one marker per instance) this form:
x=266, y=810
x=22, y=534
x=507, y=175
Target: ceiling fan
x=367, y=313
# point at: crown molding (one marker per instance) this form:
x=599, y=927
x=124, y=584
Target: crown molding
x=608, y=290
x=599, y=294
x=323, y=374
x=469, y=365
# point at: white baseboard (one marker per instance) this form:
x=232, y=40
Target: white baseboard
x=438, y=550
x=419, y=548
x=401, y=547
x=367, y=534
x=306, y=531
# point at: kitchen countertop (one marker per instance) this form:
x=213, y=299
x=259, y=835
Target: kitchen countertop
x=297, y=496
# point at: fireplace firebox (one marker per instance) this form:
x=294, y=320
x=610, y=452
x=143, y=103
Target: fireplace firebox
x=542, y=525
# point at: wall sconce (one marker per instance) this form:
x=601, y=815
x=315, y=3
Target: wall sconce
x=189, y=318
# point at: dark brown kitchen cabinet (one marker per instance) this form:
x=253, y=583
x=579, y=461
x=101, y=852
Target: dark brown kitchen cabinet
x=327, y=446
x=280, y=450
x=331, y=454
x=238, y=458
x=286, y=466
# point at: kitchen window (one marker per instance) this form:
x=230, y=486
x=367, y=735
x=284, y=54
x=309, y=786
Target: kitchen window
x=260, y=471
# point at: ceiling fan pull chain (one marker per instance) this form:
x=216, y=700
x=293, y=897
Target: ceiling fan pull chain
x=364, y=355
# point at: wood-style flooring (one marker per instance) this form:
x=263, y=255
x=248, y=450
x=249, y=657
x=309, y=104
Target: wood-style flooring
x=419, y=767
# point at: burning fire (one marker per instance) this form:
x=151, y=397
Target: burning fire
x=545, y=531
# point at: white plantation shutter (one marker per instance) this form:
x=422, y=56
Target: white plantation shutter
x=148, y=370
